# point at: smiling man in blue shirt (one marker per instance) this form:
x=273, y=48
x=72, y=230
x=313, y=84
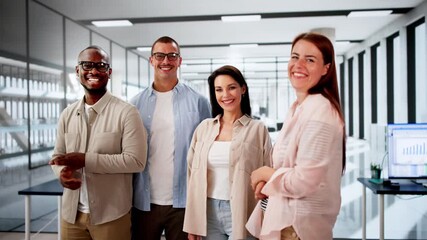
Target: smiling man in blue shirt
x=170, y=111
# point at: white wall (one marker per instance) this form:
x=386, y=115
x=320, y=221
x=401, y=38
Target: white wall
x=400, y=81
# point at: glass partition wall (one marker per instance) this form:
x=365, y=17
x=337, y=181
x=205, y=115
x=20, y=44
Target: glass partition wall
x=45, y=83
x=269, y=88
x=37, y=77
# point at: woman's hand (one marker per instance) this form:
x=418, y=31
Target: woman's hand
x=262, y=174
x=257, y=190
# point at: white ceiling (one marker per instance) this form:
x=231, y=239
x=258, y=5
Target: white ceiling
x=184, y=21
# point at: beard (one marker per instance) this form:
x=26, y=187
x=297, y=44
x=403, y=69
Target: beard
x=95, y=91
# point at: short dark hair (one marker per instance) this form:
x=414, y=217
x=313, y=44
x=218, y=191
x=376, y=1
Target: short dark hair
x=245, y=104
x=165, y=39
x=99, y=49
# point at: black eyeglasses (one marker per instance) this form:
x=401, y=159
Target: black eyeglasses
x=100, y=66
x=159, y=56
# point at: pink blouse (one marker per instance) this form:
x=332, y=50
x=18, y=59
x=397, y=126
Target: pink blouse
x=304, y=191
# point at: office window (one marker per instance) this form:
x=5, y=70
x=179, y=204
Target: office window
x=73, y=46
x=118, y=63
x=392, y=68
x=400, y=103
x=144, y=73
x=132, y=79
x=46, y=51
x=286, y=93
x=270, y=90
x=46, y=38
x=13, y=136
x=13, y=27
x=100, y=41
x=420, y=72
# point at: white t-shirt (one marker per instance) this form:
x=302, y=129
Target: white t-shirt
x=161, y=152
x=218, y=170
x=84, y=201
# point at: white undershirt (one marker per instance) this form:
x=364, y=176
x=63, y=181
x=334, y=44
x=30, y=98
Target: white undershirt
x=218, y=170
x=161, y=152
x=83, y=199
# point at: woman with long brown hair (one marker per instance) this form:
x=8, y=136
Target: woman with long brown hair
x=300, y=195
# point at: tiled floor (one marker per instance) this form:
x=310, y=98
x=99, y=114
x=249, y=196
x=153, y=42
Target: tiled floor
x=405, y=216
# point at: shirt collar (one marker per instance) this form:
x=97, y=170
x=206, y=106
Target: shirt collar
x=100, y=105
x=177, y=89
x=243, y=120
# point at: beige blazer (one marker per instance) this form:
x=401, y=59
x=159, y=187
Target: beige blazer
x=250, y=149
x=115, y=148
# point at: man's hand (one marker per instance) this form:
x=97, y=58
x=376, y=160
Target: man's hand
x=70, y=178
x=73, y=160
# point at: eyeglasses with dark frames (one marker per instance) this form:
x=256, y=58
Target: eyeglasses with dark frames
x=159, y=56
x=100, y=66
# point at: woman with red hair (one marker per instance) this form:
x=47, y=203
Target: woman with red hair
x=300, y=195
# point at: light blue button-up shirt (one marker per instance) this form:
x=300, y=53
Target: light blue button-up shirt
x=189, y=109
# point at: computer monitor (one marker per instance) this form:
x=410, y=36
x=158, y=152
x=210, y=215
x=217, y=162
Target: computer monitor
x=407, y=151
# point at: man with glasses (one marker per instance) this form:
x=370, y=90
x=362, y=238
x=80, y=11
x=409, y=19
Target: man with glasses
x=170, y=111
x=101, y=141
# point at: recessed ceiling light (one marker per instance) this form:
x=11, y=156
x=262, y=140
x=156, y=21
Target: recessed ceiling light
x=112, y=23
x=243, y=45
x=144, y=49
x=380, y=13
x=241, y=18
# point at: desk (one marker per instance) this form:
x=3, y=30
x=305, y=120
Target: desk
x=381, y=190
x=51, y=188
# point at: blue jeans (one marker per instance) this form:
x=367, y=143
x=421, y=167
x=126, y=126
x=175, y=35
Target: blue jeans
x=218, y=220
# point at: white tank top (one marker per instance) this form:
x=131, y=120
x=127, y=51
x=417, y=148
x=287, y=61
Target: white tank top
x=218, y=170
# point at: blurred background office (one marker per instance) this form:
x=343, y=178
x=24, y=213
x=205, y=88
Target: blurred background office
x=381, y=57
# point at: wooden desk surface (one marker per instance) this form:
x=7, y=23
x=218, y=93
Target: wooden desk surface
x=50, y=188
